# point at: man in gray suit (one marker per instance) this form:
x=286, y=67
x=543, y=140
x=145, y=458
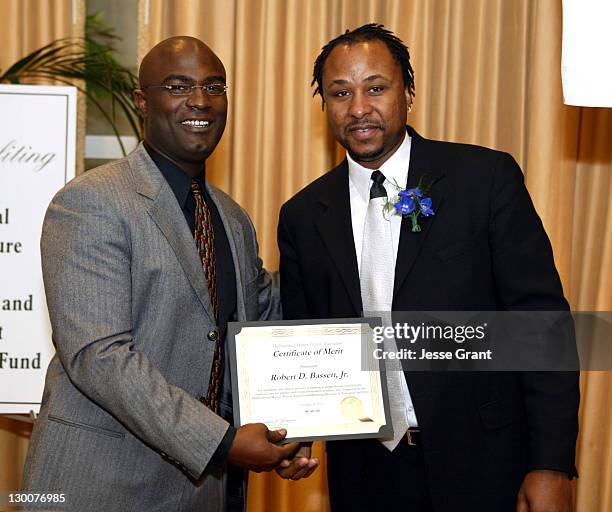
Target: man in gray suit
x=133, y=414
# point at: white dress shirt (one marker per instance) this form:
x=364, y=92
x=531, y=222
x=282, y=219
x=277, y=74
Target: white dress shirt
x=395, y=170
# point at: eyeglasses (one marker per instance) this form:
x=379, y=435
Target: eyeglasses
x=216, y=89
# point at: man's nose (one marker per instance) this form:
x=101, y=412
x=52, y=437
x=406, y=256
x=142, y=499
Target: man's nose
x=198, y=98
x=359, y=105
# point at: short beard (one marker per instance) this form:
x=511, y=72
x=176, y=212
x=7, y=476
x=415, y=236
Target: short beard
x=367, y=156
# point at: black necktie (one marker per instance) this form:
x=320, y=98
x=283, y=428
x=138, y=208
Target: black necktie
x=377, y=189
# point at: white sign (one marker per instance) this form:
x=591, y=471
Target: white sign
x=37, y=157
x=586, y=66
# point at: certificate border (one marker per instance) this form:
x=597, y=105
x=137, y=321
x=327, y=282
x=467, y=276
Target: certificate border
x=234, y=328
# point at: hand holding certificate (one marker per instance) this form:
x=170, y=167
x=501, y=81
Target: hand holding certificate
x=255, y=448
x=307, y=377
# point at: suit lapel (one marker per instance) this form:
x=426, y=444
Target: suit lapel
x=166, y=213
x=410, y=243
x=234, y=233
x=336, y=230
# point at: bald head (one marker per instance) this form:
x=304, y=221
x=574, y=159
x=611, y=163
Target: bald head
x=170, y=49
x=184, y=114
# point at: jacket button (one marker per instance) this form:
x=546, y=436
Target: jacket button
x=212, y=335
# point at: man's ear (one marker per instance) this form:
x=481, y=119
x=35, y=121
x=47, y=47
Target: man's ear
x=409, y=99
x=141, y=102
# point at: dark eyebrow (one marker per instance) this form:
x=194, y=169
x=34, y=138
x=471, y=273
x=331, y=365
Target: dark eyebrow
x=371, y=78
x=185, y=78
x=178, y=78
x=217, y=78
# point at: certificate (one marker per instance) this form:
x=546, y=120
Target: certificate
x=309, y=377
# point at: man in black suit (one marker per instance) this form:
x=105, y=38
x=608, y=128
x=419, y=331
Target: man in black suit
x=478, y=441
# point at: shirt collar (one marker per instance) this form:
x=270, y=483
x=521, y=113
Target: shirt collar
x=179, y=182
x=395, y=170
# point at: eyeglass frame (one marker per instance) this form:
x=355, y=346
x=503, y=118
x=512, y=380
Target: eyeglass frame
x=192, y=88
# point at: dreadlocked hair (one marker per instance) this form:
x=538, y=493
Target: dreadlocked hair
x=369, y=32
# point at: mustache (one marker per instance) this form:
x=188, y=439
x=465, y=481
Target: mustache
x=364, y=124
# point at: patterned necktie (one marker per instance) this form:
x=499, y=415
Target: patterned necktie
x=376, y=279
x=205, y=242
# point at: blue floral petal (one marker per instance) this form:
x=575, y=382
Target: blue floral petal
x=425, y=205
x=414, y=192
x=406, y=206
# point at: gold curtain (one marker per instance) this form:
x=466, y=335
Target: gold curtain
x=488, y=73
x=25, y=26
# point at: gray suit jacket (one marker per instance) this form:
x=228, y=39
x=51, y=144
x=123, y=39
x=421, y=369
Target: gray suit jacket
x=121, y=427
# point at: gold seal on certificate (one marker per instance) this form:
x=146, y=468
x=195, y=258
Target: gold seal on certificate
x=309, y=377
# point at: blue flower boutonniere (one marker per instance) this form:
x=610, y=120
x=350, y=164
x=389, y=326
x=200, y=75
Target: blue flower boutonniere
x=411, y=203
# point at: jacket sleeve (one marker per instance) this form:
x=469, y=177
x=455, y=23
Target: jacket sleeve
x=527, y=280
x=295, y=305
x=267, y=283
x=86, y=254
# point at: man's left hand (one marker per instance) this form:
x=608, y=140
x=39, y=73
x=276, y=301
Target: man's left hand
x=545, y=491
x=301, y=466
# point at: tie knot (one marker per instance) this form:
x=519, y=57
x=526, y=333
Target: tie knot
x=378, y=177
x=195, y=187
x=378, y=190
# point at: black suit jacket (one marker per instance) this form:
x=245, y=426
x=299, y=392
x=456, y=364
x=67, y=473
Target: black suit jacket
x=485, y=248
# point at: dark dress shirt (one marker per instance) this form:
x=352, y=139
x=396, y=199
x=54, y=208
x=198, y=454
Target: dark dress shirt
x=180, y=183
